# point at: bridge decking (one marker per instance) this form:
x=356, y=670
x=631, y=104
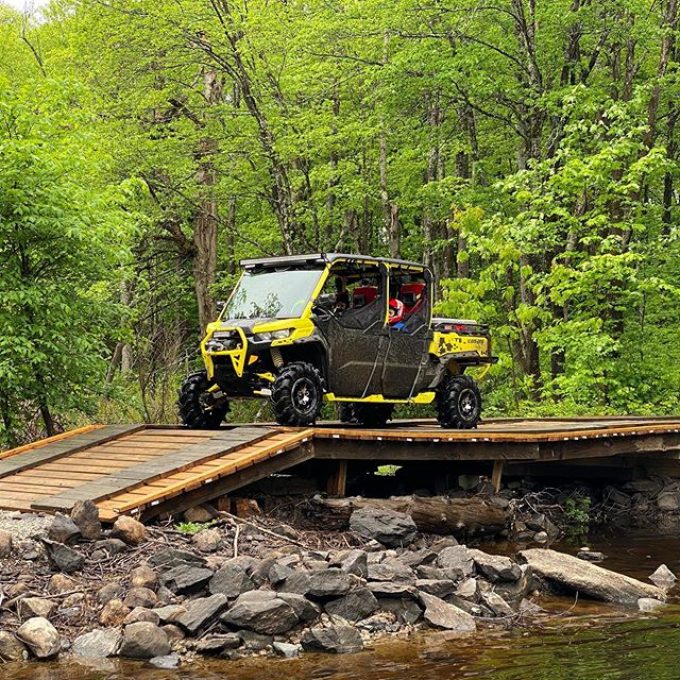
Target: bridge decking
x=145, y=469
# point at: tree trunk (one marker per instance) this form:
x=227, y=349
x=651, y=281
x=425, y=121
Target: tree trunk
x=436, y=515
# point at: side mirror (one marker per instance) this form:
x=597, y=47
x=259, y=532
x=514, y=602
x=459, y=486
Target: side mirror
x=220, y=305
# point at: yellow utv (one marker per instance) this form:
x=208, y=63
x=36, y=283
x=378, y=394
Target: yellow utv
x=350, y=329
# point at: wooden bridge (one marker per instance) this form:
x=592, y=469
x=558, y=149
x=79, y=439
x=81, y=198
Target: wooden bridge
x=150, y=469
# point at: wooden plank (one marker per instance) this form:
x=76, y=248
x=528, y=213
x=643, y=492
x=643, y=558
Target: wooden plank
x=48, y=440
x=337, y=481
x=497, y=475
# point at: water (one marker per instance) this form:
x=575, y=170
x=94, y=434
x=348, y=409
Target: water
x=587, y=641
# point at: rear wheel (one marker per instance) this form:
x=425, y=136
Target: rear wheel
x=369, y=415
x=297, y=394
x=459, y=403
x=198, y=408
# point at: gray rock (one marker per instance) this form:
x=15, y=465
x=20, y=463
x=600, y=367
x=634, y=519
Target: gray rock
x=231, y=580
x=142, y=614
x=541, y=537
x=390, y=528
x=668, y=501
x=441, y=588
x=63, y=529
x=390, y=590
x=63, y=558
x=85, y=515
x=185, y=578
x=35, y=606
x=144, y=641
x=40, y=636
x=172, y=557
x=649, y=604
x=353, y=607
x=405, y=609
x=169, y=661
x=98, y=644
x=201, y=613
x=208, y=540
x=286, y=650
x=390, y=570
x=591, y=555
x=144, y=576
x=456, y=561
x=332, y=640
x=262, y=612
x=496, y=604
x=111, y=546
x=331, y=582
x=354, y=562
x=297, y=582
x=586, y=578
x=113, y=613
x=140, y=597
x=496, y=567
x=11, y=649
x=305, y=610
x=170, y=613
x=6, y=544
x=515, y=591
x=444, y=615
x=467, y=589
x=278, y=573
x=110, y=591
x=663, y=577
x=417, y=558
x=255, y=642
x=212, y=645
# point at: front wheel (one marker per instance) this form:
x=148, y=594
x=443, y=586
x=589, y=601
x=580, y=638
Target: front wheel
x=459, y=403
x=198, y=409
x=297, y=394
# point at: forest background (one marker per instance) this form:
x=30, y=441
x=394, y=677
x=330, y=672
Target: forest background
x=527, y=150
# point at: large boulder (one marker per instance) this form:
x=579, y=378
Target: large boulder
x=201, y=613
x=129, y=531
x=332, y=640
x=496, y=568
x=231, y=580
x=99, y=643
x=261, y=611
x=85, y=515
x=305, y=610
x=456, y=561
x=144, y=641
x=353, y=606
x=40, y=636
x=444, y=615
x=588, y=579
x=392, y=529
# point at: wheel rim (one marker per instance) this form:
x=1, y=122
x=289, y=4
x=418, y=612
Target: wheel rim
x=303, y=396
x=467, y=404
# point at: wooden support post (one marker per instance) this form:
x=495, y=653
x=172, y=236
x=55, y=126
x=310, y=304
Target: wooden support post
x=497, y=475
x=337, y=482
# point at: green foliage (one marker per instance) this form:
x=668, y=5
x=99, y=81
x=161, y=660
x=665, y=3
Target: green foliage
x=191, y=528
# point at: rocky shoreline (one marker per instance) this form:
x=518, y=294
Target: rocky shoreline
x=228, y=587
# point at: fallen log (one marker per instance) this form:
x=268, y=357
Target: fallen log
x=433, y=515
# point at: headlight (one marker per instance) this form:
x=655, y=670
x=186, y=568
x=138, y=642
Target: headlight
x=273, y=335
x=262, y=337
x=280, y=335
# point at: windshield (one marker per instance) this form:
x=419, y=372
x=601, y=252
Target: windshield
x=272, y=294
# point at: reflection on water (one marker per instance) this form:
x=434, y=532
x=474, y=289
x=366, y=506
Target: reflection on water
x=590, y=641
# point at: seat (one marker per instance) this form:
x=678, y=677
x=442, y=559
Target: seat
x=411, y=294
x=363, y=295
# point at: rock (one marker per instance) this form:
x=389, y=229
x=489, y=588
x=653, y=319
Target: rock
x=113, y=613
x=231, y=580
x=278, y=573
x=174, y=633
x=63, y=558
x=169, y=661
x=663, y=577
x=390, y=528
x=297, y=582
x=111, y=591
x=85, y=515
x=457, y=561
x=541, y=537
x=140, y=597
x=98, y=644
x=405, y=609
x=496, y=604
x=35, y=606
x=262, y=612
x=668, y=501
x=417, y=558
x=131, y=532
x=40, y=636
x=143, y=577
x=390, y=570
x=468, y=482
x=11, y=649
x=332, y=640
x=216, y=644
x=354, y=606
x=208, y=540
x=443, y=615
x=60, y=584
x=200, y=514
x=513, y=592
x=169, y=558
x=305, y=610
x=330, y=582
x=186, y=578
x=111, y=546
x=496, y=568
x=170, y=613
x=439, y=588
x=144, y=641
x=63, y=529
x=201, y=613
x=354, y=562
x=649, y=604
x=591, y=555
x=255, y=642
x=391, y=590
x=286, y=650
x=467, y=589
x=142, y=614
x=586, y=578
x=6, y=544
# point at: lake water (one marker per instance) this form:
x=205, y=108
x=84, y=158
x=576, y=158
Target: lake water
x=586, y=641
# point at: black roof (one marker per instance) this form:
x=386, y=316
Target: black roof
x=323, y=258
